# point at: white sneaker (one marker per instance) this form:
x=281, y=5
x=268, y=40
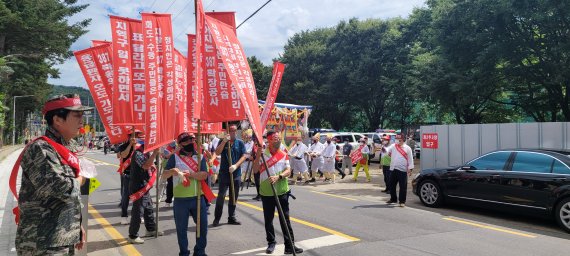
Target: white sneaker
x=142, y=220
x=152, y=233
x=137, y=240
x=125, y=221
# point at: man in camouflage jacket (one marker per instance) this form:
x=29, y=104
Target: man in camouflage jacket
x=49, y=201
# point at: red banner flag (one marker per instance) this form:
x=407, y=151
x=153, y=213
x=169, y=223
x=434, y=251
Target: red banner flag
x=197, y=60
x=99, y=42
x=228, y=18
x=181, y=107
x=159, y=76
x=132, y=64
x=194, y=91
x=221, y=99
x=278, y=69
x=96, y=65
x=235, y=60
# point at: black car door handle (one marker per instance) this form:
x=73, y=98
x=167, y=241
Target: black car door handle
x=559, y=179
x=496, y=176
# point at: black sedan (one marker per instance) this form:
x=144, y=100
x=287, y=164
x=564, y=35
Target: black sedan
x=529, y=181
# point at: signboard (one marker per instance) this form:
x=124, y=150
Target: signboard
x=429, y=140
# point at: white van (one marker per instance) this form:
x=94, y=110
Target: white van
x=375, y=140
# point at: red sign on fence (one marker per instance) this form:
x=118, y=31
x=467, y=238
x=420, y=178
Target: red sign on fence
x=429, y=140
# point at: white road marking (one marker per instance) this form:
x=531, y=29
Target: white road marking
x=309, y=244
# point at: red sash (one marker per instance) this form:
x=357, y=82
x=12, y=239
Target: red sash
x=273, y=160
x=125, y=164
x=137, y=195
x=193, y=165
x=67, y=158
x=403, y=153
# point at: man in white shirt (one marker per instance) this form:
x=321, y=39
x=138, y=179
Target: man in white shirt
x=298, y=163
x=315, y=151
x=329, y=154
x=401, y=165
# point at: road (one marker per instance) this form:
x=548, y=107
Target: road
x=345, y=218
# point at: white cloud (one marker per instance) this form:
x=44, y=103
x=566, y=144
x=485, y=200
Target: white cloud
x=264, y=35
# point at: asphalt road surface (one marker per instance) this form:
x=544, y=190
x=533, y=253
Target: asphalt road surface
x=345, y=218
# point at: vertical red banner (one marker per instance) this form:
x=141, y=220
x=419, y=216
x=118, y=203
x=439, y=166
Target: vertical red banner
x=221, y=100
x=159, y=76
x=278, y=69
x=122, y=93
x=228, y=18
x=99, y=42
x=198, y=81
x=235, y=60
x=97, y=68
x=180, y=81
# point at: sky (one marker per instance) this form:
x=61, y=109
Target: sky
x=263, y=36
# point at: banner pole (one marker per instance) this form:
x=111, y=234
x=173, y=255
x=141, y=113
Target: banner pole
x=230, y=163
x=198, y=183
x=279, y=208
x=159, y=174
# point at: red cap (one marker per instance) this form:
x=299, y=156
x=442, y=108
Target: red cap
x=183, y=137
x=65, y=101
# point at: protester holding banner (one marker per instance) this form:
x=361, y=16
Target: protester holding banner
x=315, y=152
x=363, y=162
x=214, y=158
x=182, y=167
x=401, y=165
x=49, y=205
x=247, y=138
x=238, y=156
x=125, y=154
x=278, y=169
x=143, y=176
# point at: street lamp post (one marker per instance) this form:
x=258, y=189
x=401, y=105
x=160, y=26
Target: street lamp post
x=14, y=117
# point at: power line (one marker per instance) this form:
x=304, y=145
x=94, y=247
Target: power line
x=253, y=13
x=174, y=1
x=152, y=5
x=192, y=21
x=186, y=6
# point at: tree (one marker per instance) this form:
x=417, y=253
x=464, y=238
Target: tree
x=34, y=36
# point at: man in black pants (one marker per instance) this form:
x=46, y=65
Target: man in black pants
x=278, y=169
x=401, y=164
x=139, y=183
x=238, y=156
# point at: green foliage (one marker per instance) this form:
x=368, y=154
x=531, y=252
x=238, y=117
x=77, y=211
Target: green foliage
x=453, y=61
x=34, y=36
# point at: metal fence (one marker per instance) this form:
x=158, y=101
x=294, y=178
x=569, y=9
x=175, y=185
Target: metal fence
x=461, y=143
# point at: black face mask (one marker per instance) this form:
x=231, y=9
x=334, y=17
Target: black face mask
x=189, y=148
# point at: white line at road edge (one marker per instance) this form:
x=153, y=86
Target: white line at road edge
x=305, y=244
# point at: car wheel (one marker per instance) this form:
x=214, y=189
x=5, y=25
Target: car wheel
x=562, y=214
x=430, y=193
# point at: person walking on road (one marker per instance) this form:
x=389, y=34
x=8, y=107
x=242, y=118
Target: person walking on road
x=401, y=165
x=315, y=152
x=329, y=154
x=49, y=205
x=182, y=167
x=298, y=163
x=363, y=162
x=278, y=169
x=142, y=171
x=346, y=161
x=238, y=156
x=385, y=160
x=126, y=151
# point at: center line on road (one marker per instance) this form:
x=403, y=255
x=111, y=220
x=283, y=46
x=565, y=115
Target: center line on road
x=490, y=227
x=303, y=222
x=103, y=162
x=115, y=235
x=327, y=194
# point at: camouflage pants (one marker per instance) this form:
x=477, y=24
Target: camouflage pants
x=54, y=251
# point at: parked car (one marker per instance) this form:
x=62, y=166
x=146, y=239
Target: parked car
x=341, y=136
x=530, y=181
x=375, y=140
